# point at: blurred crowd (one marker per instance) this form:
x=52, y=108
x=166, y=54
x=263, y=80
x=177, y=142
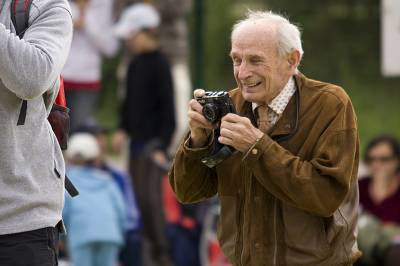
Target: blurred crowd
x=130, y=217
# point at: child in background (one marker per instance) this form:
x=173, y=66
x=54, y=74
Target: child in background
x=96, y=220
x=131, y=252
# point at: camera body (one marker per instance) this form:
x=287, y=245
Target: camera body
x=216, y=105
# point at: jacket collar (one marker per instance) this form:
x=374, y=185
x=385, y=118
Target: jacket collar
x=288, y=122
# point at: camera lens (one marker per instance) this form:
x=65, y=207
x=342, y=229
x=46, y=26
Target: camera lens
x=210, y=112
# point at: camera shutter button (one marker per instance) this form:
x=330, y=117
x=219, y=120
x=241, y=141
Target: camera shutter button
x=254, y=151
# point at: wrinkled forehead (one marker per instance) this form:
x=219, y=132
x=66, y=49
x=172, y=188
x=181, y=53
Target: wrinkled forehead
x=255, y=38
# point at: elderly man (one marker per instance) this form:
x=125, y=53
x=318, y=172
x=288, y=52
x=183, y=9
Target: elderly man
x=289, y=194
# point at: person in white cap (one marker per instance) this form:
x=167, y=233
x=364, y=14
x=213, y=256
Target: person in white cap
x=96, y=220
x=148, y=119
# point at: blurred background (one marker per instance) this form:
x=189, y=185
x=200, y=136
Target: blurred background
x=351, y=43
x=342, y=44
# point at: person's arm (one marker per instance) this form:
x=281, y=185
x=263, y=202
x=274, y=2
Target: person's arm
x=98, y=26
x=318, y=185
x=191, y=180
x=30, y=66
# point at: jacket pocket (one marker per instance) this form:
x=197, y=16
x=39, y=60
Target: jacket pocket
x=304, y=233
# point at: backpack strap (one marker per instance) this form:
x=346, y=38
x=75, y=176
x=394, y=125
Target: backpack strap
x=71, y=189
x=20, y=15
x=20, y=18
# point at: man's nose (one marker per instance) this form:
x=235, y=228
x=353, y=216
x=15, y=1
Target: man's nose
x=243, y=71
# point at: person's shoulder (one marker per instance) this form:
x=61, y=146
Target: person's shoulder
x=330, y=94
x=43, y=5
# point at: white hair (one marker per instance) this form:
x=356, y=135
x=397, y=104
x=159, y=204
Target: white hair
x=288, y=34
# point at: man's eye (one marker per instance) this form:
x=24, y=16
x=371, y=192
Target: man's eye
x=236, y=61
x=255, y=60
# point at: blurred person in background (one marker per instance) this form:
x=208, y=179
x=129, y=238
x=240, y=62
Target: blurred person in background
x=93, y=38
x=147, y=118
x=174, y=43
x=379, y=234
x=95, y=221
x=131, y=252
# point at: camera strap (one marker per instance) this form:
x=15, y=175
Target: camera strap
x=219, y=152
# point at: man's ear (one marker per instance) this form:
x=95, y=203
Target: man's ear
x=294, y=59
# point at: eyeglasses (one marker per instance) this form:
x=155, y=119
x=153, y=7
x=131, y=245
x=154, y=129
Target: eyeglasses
x=380, y=159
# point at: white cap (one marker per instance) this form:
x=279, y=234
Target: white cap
x=135, y=18
x=83, y=147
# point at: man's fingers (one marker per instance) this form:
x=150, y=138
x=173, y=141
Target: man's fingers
x=225, y=141
x=195, y=106
x=198, y=120
x=229, y=125
x=236, y=119
x=195, y=114
x=198, y=93
x=226, y=133
x=239, y=126
x=233, y=118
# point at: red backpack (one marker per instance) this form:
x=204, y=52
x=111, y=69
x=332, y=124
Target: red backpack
x=58, y=117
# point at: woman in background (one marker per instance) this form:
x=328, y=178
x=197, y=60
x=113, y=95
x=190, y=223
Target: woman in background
x=379, y=236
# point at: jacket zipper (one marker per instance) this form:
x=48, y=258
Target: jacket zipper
x=275, y=236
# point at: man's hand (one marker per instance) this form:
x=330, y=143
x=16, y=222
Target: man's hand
x=238, y=132
x=200, y=127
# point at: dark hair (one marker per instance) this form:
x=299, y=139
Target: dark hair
x=384, y=139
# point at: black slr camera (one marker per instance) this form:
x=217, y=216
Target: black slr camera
x=215, y=106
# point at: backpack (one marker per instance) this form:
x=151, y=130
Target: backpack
x=58, y=117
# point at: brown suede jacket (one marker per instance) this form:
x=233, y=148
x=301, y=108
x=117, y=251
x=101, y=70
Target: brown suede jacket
x=293, y=198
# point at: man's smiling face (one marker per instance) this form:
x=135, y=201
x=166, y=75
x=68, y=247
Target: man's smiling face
x=260, y=72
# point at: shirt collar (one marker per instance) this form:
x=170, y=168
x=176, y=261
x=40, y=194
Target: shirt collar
x=279, y=103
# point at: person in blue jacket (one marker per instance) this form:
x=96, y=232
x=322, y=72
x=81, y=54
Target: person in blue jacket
x=130, y=254
x=96, y=220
